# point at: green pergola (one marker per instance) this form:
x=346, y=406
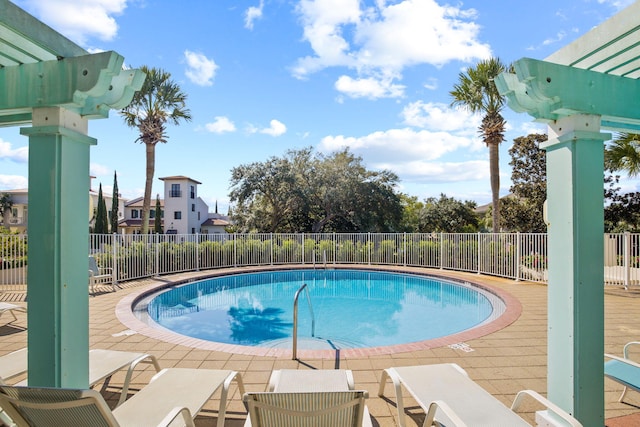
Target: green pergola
x=589, y=85
x=56, y=86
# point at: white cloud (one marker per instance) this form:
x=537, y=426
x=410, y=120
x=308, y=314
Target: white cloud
x=440, y=117
x=431, y=83
x=253, y=13
x=200, y=69
x=18, y=155
x=421, y=171
x=221, y=124
x=617, y=4
x=276, y=128
x=398, y=145
x=13, y=182
x=369, y=87
x=97, y=170
x=80, y=19
x=384, y=39
x=533, y=127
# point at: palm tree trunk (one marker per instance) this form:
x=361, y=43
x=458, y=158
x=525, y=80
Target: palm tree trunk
x=146, y=203
x=494, y=173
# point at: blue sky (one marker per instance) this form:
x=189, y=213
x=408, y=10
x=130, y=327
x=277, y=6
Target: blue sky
x=266, y=76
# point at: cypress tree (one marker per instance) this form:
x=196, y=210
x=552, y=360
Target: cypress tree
x=101, y=226
x=115, y=204
x=158, y=219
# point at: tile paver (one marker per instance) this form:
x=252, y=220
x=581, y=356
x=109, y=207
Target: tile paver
x=503, y=362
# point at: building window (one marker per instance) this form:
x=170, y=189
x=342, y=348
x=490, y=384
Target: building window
x=152, y=214
x=193, y=192
x=193, y=207
x=198, y=216
x=175, y=191
x=177, y=215
x=134, y=213
x=193, y=230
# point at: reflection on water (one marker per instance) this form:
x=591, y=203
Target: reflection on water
x=252, y=326
x=371, y=308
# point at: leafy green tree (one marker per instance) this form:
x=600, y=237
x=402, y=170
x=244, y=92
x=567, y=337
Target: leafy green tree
x=160, y=101
x=264, y=192
x=101, y=225
x=477, y=93
x=115, y=205
x=411, y=209
x=157, y=220
x=622, y=210
x=524, y=210
x=448, y=215
x=623, y=154
x=342, y=195
x=306, y=192
x=6, y=204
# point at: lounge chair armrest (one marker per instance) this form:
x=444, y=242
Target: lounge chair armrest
x=623, y=360
x=625, y=350
x=431, y=413
x=547, y=403
x=174, y=413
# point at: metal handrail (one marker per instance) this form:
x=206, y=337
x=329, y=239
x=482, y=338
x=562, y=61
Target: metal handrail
x=294, y=355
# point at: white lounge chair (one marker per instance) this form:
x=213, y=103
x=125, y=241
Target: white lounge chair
x=6, y=307
x=99, y=275
x=449, y=397
x=308, y=398
x=623, y=370
x=172, y=394
x=102, y=364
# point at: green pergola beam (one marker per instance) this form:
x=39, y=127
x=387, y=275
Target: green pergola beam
x=90, y=85
x=550, y=91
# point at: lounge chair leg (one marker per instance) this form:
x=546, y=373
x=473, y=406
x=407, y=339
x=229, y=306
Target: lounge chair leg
x=624, y=392
x=222, y=410
x=389, y=373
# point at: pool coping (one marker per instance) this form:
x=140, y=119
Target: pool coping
x=124, y=313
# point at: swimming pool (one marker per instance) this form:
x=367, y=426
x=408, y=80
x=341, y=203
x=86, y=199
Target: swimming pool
x=344, y=309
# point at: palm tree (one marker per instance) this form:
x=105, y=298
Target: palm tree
x=159, y=101
x=477, y=93
x=623, y=153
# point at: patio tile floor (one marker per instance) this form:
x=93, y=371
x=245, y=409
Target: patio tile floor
x=503, y=362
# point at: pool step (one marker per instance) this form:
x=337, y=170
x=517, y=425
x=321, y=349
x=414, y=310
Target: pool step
x=313, y=343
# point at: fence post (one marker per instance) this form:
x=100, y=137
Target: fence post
x=235, y=249
x=441, y=250
x=156, y=240
x=369, y=248
x=478, y=254
x=114, y=262
x=197, y=251
x=271, y=247
x=404, y=247
x=627, y=258
x=302, y=248
x=518, y=244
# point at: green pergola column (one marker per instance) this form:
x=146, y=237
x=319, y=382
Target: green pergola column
x=575, y=170
x=58, y=315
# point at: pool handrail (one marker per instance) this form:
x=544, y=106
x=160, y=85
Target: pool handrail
x=294, y=354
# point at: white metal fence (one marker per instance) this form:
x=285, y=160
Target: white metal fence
x=517, y=256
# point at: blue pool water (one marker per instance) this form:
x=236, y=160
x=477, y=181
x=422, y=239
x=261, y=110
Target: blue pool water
x=352, y=308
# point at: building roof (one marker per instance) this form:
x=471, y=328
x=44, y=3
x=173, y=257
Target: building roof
x=215, y=222
x=179, y=177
